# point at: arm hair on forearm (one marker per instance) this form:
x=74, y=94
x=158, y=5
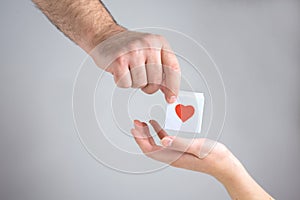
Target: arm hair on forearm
x=86, y=22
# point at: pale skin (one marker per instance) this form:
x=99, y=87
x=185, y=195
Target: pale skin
x=185, y=153
x=146, y=61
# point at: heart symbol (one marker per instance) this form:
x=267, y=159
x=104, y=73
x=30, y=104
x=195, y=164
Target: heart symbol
x=184, y=112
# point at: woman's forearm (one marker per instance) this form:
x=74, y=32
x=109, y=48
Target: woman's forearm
x=86, y=22
x=239, y=184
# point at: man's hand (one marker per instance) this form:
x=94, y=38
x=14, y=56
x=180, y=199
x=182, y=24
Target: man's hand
x=140, y=60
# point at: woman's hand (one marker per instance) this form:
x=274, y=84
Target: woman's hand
x=182, y=153
x=198, y=155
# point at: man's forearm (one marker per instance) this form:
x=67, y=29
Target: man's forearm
x=86, y=22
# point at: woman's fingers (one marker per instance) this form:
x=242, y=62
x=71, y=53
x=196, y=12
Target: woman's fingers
x=143, y=132
x=182, y=144
x=160, y=132
x=180, y=152
x=145, y=141
x=168, y=156
x=144, y=144
x=147, y=144
x=192, y=146
x=175, y=157
x=199, y=147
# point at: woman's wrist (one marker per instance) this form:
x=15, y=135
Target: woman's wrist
x=238, y=182
x=229, y=169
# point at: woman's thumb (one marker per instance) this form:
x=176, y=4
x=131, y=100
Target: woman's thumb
x=199, y=147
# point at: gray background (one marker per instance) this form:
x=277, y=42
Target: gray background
x=256, y=45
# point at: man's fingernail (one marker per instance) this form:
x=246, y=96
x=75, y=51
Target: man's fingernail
x=172, y=99
x=166, y=142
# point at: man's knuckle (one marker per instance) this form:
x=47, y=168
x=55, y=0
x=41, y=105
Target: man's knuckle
x=146, y=41
x=148, y=36
x=173, y=65
x=121, y=61
x=160, y=37
x=136, y=53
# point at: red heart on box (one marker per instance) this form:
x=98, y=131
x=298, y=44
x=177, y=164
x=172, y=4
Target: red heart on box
x=184, y=112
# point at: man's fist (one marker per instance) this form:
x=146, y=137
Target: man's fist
x=140, y=60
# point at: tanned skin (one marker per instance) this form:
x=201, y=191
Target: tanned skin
x=86, y=22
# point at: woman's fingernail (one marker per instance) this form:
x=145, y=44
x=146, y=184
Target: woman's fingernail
x=138, y=123
x=172, y=99
x=166, y=142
